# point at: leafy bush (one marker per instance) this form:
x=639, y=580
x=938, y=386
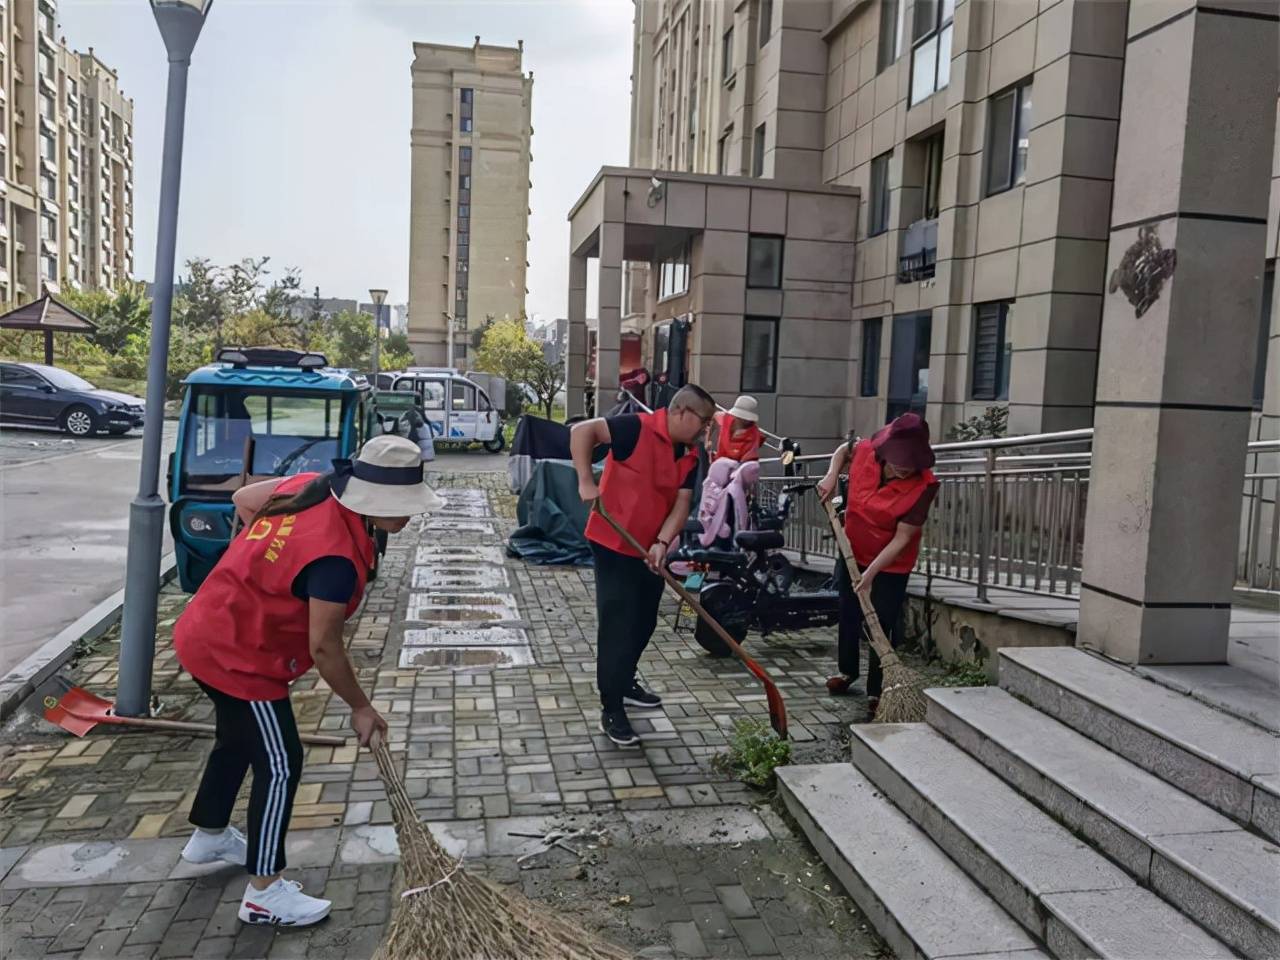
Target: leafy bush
x=754, y=752
x=988, y=425
x=964, y=674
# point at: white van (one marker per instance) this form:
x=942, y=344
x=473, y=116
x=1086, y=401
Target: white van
x=458, y=409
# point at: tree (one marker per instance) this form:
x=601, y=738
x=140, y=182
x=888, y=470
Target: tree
x=258, y=328
x=349, y=340
x=507, y=351
x=203, y=304
x=396, y=352
x=545, y=380
x=117, y=315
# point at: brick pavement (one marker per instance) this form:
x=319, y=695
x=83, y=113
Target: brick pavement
x=709, y=868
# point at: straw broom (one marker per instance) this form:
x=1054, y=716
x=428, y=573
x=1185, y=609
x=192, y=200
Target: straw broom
x=901, y=700
x=445, y=913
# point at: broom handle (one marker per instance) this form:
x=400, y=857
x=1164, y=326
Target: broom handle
x=245, y=470
x=187, y=726
x=878, y=640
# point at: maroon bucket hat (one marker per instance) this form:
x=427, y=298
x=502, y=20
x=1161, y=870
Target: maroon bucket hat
x=905, y=443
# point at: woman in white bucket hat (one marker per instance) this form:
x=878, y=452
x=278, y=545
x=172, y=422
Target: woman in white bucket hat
x=738, y=432
x=273, y=606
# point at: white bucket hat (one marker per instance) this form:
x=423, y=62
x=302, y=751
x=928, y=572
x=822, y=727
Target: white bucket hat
x=385, y=480
x=744, y=408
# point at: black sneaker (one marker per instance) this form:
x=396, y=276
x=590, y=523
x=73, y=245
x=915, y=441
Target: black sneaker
x=617, y=728
x=638, y=696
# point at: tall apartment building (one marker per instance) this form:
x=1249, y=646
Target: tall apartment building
x=66, y=161
x=469, y=217
x=983, y=138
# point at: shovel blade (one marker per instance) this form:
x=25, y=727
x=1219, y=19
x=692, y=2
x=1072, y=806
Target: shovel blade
x=77, y=710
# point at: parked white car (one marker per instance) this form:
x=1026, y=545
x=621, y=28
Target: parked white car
x=456, y=407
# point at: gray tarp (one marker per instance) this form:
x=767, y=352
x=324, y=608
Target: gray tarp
x=552, y=517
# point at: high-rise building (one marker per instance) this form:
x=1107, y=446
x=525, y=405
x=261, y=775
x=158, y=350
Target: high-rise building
x=469, y=226
x=66, y=161
x=982, y=138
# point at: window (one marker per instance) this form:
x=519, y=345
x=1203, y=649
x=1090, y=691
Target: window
x=909, y=364
x=46, y=107
x=757, y=152
x=48, y=187
x=46, y=23
x=464, y=181
x=464, y=397
x=764, y=261
x=466, y=98
x=766, y=20
x=932, y=176
x=871, y=330
x=462, y=293
x=992, y=351
x=931, y=48
x=464, y=160
x=18, y=377
x=48, y=148
x=726, y=54
x=49, y=268
x=1008, y=138
x=879, y=221
x=48, y=228
x=890, y=39
x=464, y=211
x=673, y=275
x=722, y=153
x=759, y=355
x=46, y=64
x=1264, y=336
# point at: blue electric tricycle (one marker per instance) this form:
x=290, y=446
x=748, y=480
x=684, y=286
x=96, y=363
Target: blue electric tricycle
x=253, y=414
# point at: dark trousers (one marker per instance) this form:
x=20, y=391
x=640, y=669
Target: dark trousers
x=260, y=734
x=627, y=598
x=888, y=591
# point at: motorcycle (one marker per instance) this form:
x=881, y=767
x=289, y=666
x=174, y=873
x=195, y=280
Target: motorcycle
x=751, y=586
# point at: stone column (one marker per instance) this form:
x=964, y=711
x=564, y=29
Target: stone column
x=609, y=337
x=576, y=355
x=1179, y=330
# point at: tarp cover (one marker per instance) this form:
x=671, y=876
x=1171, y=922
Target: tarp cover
x=540, y=439
x=552, y=517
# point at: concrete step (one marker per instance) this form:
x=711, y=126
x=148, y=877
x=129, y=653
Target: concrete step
x=915, y=896
x=1225, y=878
x=1231, y=765
x=1058, y=887
x=1232, y=690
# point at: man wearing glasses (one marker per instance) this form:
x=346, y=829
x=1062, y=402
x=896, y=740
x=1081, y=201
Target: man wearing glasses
x=647, y=487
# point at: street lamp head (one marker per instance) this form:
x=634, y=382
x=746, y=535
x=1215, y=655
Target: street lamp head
x=180, y=22
x=379, y=297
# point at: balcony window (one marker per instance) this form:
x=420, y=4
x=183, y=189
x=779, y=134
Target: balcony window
x=47, y=68
x=46, y=23
x=48, y=187
x=757, y=152
x=870, y=379
x=673, y=274
x=1008, y=138
x=764, y=262
x=931, y=48
x=932, y=176
x=466, y=106
x=47, y=109
x=726, y=55
x=889, y=41
x=760, y=355
x=879, y=218
x=992, y=351
x=766, y=21
x=722, y=153
x=49, y=268
x=919, y=257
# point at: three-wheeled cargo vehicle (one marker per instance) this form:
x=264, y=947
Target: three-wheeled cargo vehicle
x=253, y=414
x=458, y=409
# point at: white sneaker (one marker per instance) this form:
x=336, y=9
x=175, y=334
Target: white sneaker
x=282, y=904
x=229, y=845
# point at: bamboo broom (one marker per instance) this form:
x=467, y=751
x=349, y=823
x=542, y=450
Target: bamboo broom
x=901, y=700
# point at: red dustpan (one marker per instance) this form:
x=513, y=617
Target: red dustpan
x=78, y=711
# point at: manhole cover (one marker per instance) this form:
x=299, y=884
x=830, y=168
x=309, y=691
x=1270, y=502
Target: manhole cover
x=459, y=578
x=462, y=606
x=466, y=637
x=460, y=658
x=451, y=554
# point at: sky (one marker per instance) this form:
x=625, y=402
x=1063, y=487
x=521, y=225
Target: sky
x=298, y=117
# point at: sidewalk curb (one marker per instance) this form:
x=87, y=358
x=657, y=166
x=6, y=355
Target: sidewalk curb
x=20, y=682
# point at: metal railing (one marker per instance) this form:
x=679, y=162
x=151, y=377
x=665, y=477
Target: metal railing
x=1010, y=514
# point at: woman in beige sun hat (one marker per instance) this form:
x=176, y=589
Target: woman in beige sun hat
x=275, y=605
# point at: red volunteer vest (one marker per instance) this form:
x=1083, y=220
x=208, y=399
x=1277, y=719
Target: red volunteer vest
x=244, y=632
x=742, y=447
x=871, y=517
x=640, y=491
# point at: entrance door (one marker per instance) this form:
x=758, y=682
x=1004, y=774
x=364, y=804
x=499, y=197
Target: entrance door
x=463, y=412
x=434, y=408
x=909, y=364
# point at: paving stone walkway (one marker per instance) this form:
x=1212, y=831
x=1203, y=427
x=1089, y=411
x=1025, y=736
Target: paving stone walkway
x=484, y=668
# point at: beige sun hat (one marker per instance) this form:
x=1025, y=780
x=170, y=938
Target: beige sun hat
x=744, y=408
x=385, y=480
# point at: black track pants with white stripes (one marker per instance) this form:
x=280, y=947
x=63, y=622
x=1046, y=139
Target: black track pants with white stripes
x=252, y=733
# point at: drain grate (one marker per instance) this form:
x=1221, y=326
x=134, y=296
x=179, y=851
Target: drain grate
x=462, y=606
x=452, y=554
x=461, y=658
x=466, y=637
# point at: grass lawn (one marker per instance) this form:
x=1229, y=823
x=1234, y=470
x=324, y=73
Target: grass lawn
x=509, y=426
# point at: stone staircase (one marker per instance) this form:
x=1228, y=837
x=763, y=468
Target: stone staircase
x=1078, y=810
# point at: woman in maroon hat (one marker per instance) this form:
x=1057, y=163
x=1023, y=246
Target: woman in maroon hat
x=890, y=490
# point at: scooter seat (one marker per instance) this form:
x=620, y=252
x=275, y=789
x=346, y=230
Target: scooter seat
x=760, y=539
